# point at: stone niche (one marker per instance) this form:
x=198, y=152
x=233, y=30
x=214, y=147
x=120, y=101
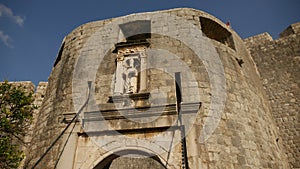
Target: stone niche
x=130, y=81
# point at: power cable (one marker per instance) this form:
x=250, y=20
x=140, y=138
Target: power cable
x=66, y=128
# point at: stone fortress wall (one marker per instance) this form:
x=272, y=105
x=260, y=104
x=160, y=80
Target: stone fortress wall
x=259, y=127
x=278, y=62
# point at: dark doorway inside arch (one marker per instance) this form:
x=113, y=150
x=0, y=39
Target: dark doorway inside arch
x=130, y=160
x=135, y=163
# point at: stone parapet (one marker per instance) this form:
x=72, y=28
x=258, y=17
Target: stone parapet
x=292, y=29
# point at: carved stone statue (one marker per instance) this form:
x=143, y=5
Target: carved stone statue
x=130, y=75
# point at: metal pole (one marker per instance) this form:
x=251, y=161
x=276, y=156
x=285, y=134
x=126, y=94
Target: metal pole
x=185, y=164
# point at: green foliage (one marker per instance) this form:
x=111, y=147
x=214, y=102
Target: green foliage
x=16, y=108
x=11, y=155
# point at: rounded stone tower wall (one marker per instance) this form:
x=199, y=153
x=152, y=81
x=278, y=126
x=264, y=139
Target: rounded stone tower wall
x=177, y=86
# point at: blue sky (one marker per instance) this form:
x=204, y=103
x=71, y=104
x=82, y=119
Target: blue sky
x=31, y=31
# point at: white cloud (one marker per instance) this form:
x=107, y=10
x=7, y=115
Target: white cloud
x=5, y=11
x=5, y=39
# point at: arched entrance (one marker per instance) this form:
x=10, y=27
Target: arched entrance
x=130, y=159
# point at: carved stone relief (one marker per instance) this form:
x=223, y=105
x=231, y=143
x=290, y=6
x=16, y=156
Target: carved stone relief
x=130, y=63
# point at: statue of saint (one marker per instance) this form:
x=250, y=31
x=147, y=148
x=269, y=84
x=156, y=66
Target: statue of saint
x=130, y=75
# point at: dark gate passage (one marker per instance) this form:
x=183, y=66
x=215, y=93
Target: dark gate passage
x=135, y=163
x=130, y=159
